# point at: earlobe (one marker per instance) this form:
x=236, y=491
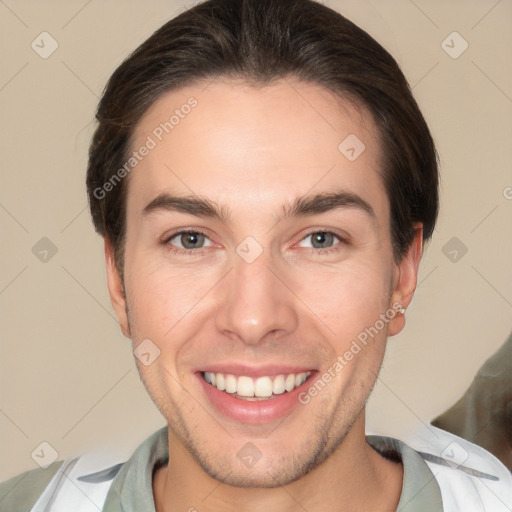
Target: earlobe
x=116, y=289
x=407, y=279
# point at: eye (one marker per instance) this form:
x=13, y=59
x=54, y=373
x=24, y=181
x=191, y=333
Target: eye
x=322, y=240
x=186, y=241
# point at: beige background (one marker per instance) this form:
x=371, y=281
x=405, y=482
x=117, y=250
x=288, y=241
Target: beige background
x=67, y=374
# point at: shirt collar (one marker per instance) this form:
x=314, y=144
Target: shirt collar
x=132, y=488
x=420, y=490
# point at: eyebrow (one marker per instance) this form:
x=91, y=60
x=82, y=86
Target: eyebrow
x=300, y=207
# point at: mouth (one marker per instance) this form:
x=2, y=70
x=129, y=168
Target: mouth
x=261, y=388
x=266, y=396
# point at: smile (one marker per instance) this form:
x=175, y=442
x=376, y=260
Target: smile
x=261, y=388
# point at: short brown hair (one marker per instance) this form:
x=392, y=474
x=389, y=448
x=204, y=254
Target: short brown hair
x=261, y=41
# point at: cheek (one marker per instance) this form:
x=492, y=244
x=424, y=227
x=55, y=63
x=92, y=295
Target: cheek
x=161, y=296
x=347, y=298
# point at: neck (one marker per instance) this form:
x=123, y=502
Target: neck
x=353, y=477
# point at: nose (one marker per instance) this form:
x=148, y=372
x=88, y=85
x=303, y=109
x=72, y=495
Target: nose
x=256, y=303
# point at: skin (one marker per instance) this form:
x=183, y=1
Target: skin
x=255, y=150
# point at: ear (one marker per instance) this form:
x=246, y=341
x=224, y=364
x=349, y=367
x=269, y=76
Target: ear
x=406, y=274
x=115, y=289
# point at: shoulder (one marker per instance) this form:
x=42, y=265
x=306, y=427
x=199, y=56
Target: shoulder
x=80, y=482
x=470, y=478
x=76, y=483
x=20, y=492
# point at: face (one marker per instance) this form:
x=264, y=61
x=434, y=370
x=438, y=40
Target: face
x=285, y=261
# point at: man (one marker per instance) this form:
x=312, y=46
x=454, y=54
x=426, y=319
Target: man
x=264, y=182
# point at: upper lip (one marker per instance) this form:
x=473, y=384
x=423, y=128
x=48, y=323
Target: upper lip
x=272, y=370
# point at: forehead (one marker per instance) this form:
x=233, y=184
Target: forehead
x=234, y=143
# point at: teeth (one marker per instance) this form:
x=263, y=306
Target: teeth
x=220, y=384
x=245, y=386
x=230, y=384
x=289, y=383
x=300, y=379
x=278, y=385
x=262, y=387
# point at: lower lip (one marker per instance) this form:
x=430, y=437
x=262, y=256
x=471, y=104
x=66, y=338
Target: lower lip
x=254, y=412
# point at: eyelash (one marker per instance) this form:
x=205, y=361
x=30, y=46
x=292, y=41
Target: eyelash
x=189, y=252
